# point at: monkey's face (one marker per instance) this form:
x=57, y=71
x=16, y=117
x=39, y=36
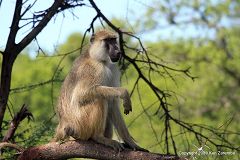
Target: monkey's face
x=104, y=47
x=112, y=49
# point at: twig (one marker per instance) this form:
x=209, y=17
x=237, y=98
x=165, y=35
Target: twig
x=11, y=145
x=20, y=116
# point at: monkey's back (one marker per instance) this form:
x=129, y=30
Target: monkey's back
x=85, y=119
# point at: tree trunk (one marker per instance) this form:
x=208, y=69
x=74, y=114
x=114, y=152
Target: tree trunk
x=6, y=73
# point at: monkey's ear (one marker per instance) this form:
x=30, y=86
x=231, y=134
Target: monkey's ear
x=92, y=39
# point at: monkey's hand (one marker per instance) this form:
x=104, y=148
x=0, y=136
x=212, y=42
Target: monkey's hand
x=126, y=102
x=127, y=105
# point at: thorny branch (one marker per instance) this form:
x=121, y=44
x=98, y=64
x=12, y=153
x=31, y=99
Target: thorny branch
x=41, y=18
x=21, y=115
x=161, y=95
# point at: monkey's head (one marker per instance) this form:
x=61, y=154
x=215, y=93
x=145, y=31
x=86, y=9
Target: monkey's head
x=104, y=46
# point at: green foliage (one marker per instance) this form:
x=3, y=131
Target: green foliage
x=211, y=99
x=207, y=100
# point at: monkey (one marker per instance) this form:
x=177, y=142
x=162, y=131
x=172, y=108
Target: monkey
x=89, y=102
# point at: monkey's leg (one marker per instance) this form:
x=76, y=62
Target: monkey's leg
x=108, y=142
x=108, y=133
x=60, y=135
x=121, y=128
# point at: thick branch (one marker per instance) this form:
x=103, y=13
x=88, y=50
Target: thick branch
x=14, y=25
x=86, y=149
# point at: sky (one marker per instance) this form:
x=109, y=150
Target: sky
x=61, y=26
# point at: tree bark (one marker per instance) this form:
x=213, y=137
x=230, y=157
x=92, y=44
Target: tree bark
x=86, y=149
x=6, y=74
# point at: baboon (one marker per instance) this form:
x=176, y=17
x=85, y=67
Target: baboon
x=88, y=105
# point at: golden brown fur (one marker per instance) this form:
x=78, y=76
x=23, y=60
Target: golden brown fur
x=88, y=105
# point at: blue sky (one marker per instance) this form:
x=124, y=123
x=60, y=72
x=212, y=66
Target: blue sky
x=61, y=26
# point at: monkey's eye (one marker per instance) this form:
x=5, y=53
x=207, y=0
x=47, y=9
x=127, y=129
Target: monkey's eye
x=107, y=45
x=111, y=40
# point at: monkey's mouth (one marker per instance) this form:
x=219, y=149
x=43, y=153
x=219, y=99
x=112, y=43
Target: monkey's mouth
x=115, y=59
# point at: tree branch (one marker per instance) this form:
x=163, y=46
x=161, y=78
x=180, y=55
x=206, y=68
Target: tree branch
x=14, y=25
x=86, y=149
x=21, y=115
x=11, y=145
x=51, y=12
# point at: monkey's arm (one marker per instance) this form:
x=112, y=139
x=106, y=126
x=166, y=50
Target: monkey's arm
x=114, y=92
x=99, y=91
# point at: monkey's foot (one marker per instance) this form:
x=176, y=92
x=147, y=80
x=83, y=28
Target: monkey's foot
x=61, y=141
x=134, y=147
x=110, y=143
x=142, y=149
x=117, y=146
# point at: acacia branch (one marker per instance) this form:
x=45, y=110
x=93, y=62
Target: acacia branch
x=14, y=26
x=21, y=115
x=51, y=12
x=86, y=149
x=160, y=94
x=11, y=145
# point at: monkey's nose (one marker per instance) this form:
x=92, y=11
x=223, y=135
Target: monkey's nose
x=115, y=57
x=119, y=53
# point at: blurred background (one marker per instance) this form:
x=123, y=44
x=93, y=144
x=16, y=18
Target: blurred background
x=199, y=38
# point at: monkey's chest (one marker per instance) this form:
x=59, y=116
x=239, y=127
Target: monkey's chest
x=107, y=76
